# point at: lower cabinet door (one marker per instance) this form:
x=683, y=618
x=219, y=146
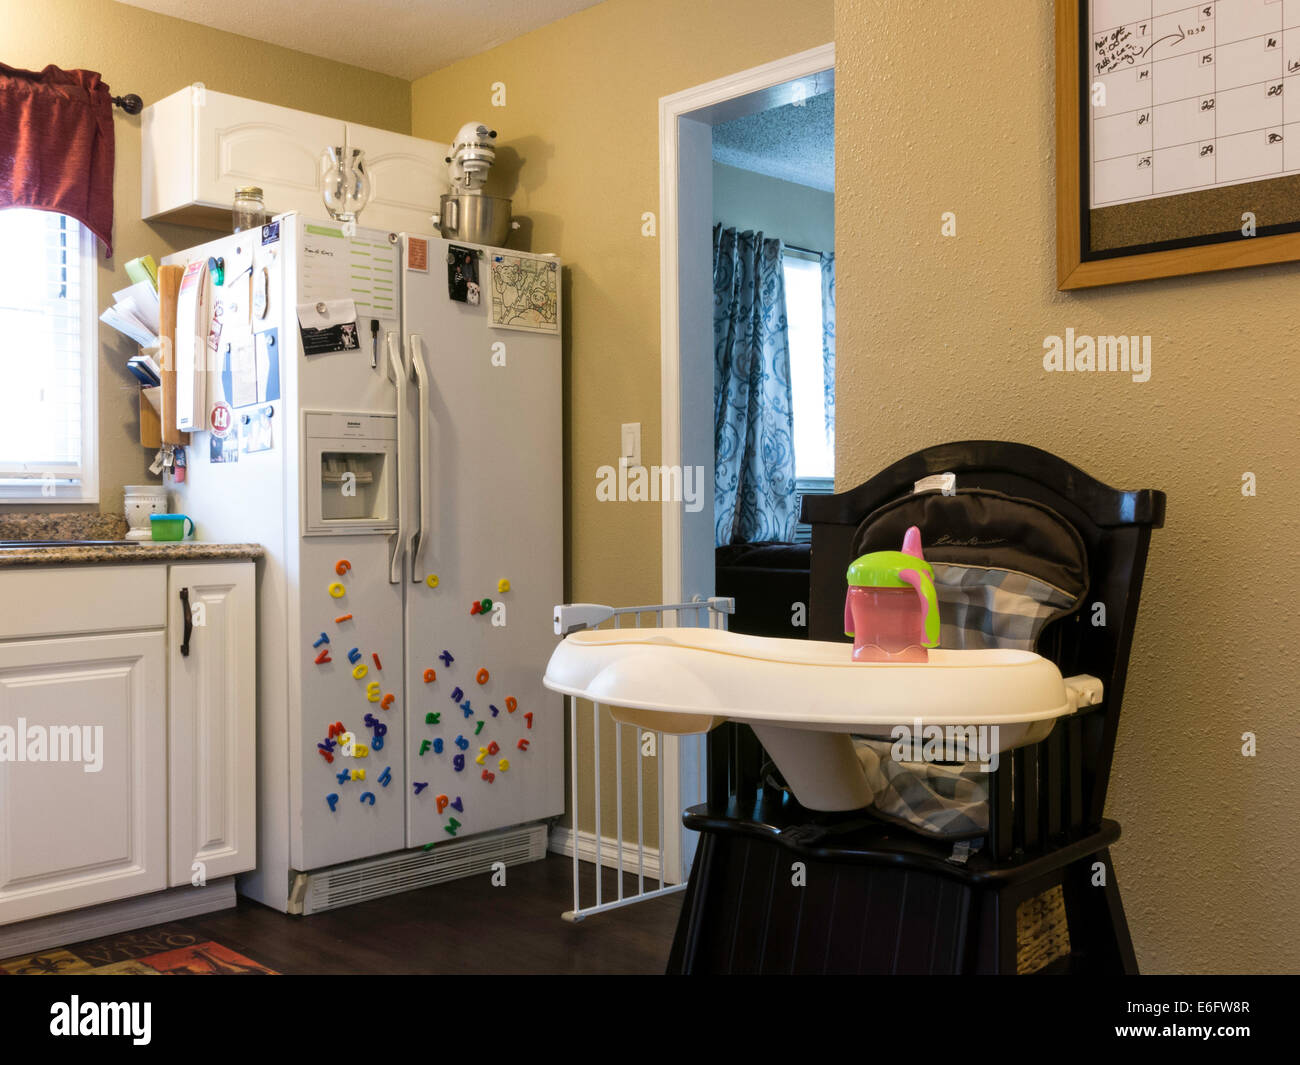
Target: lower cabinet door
x=83, y=771
x=213, y=720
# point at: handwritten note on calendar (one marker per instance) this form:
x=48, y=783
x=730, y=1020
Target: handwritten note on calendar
x=1191, y=96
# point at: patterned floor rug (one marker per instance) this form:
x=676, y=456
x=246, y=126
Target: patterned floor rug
x=162, y=951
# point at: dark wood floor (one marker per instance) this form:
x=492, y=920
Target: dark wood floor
x=465, y=926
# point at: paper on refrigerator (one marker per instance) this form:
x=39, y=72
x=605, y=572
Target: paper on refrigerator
x=191, y=347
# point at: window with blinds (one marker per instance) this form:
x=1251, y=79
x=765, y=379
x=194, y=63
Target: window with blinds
x=48, y=341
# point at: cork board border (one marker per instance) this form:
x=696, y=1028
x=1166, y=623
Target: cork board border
x=1184, y=234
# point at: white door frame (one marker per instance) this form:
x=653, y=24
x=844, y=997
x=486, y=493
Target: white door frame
x=685, y=322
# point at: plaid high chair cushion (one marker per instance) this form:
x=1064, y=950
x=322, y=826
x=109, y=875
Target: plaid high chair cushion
x=1003, y=569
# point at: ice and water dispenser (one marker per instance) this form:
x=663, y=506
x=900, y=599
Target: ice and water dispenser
x=351, y=467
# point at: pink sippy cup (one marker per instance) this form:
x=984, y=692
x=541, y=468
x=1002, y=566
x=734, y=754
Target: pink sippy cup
x=891, y=610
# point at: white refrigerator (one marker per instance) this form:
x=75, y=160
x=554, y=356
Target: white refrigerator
x=405, y=479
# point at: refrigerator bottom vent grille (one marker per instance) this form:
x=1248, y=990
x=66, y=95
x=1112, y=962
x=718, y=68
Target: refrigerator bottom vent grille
x=374, y=878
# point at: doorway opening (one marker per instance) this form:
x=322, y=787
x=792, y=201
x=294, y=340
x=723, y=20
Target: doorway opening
x=747, y=186
x=687, y=123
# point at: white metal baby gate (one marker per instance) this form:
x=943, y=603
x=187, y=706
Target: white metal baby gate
x=668, y=869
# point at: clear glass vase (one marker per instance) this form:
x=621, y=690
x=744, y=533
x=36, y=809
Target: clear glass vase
x=344, y=183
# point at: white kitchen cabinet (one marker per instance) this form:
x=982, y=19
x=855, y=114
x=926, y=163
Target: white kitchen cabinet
x=407, y=176
x=198, y=146
x=72, y=835
x=212, y=721
x=165, y=776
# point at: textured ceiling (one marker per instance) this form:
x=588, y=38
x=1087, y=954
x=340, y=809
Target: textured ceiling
x=794, y=143
x=405, y=38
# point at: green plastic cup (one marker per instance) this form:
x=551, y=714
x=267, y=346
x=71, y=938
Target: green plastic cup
x=170, y=526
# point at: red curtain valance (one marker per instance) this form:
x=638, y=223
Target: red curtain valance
x=56, y=145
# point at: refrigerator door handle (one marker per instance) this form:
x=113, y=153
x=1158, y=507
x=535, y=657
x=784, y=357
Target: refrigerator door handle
x=420, y=538
x=397, y=371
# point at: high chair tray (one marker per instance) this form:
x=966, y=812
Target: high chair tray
x=805, y=684
x=806, y=700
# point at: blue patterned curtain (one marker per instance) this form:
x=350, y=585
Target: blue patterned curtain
x=753, y=411
x=828, y=341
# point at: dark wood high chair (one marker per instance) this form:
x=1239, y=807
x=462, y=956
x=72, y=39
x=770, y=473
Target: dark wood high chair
x=879, y=898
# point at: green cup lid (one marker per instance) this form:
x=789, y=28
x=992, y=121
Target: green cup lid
x=880, y=569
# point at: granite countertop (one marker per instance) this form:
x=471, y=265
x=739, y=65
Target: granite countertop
x=110, y=527
x=126, y=551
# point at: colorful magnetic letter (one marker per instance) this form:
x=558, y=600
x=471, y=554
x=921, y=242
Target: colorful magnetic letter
x=360, y=671
x=489, y=777
x=431, y=580
x=458, y=763
x=323, y=657
x=512, y=704
x=457, y=695
x=324, y=638
x=337, y=591
x=372, y=691
x=432, y=719
x=503, y=586
x=522, y=745
x=494, y=710
x=503, y=765
x=430, y=676
x=387, y=701
x=451, y=826
x=458, y=806
x=425, y=745
x=481, y=676
x=446, y=658
x=437, y=746
x=492, y=747
x=462, y=743
x=345, y=776
x=332, y=799
x=476, y=608
x=342, y=566
x=441, y=802
x=529, y=718
x=342, y=618
x=487, y=605
x=354, y=656
x=479, y=727
x=386, y=777
x=419, y=787
x=375, y=656
x=368, y=795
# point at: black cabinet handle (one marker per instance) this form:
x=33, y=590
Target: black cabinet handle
x=189, y=622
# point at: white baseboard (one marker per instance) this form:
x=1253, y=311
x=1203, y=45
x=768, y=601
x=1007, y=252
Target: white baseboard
x=60, y=929
x=562, y=842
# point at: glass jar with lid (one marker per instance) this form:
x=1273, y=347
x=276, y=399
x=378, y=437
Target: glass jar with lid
x=249, y=211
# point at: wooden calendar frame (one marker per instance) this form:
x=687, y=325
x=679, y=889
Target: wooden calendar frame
x=1073, y=270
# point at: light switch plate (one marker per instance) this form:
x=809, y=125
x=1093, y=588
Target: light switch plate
x=630, y=445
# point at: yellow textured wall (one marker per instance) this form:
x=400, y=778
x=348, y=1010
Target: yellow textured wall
x=153, y=56
x=581, y=130
x=941, y=339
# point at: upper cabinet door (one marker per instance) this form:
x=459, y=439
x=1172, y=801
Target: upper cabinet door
x=212, y=729
x=199, y=146
x=83, y=790
x=407, y=176
x=245, y=142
